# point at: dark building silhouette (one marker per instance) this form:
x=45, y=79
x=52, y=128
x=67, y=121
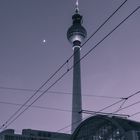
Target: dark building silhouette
x=98, y=127
x=28, y=134
x=101, y=127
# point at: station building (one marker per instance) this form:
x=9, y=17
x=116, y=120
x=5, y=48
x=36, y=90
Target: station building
x=98, y=127
x=102, y=127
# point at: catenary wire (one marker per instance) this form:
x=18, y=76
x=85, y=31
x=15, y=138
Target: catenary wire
x=104, y=22
x=61, y=66
x=38, y=107
x=103, y=113
x=59, y=92
x=132, y=95
x=73, y=54
x=134, y=114
x=109, y=33
x=123, y=100
x=90, y=115
x=97, y=45
x=110, y=113
x=127, y=106
x=122, y=104
x=76, y=64
x=32, y=96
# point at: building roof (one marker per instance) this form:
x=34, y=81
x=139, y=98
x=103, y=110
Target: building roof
x=34, y=135
x=98, y=122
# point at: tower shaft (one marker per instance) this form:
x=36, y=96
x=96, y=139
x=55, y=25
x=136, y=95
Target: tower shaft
x=76, y=35
x=76, y=97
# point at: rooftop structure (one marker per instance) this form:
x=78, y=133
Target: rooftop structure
x=28, y=134
x=102, y=127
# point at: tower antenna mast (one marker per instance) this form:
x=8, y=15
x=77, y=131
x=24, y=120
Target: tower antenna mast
x=77, y=6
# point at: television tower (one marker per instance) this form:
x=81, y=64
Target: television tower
x=76, y=34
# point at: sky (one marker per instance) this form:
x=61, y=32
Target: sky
x=110, y=71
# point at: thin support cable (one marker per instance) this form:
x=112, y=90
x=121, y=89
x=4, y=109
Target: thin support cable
x=78, y=61
x=61, y=66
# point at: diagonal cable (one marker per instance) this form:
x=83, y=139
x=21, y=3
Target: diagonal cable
x=90, y=115
x=97, y=45
x=60, y=68
x=76, y=63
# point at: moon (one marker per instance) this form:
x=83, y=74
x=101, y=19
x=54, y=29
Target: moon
x=44, y=41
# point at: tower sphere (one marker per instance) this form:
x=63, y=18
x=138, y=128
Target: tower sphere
x=76, y=33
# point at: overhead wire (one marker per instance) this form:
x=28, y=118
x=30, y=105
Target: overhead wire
x=110, y=33
x=122, y=104
x=60, y=68
x=38, y=107
x=76, y=63
x=103, y=113
x=32, y=95
x=120, y=108
x=128, y=106
x=125, y=99
x=135, y=10
x=134, y=114
x=59, y=92
x=94, y=113
x=105, y=22
x=89, y=115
